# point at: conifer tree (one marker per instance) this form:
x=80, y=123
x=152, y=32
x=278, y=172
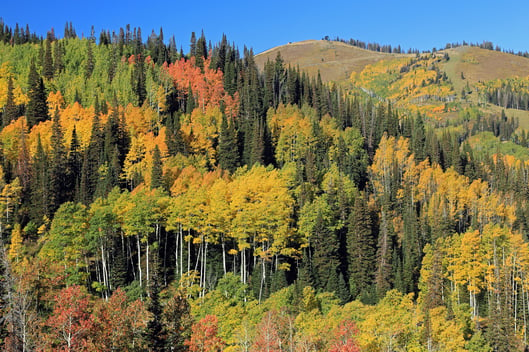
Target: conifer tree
x=91, y=161
x=48, y=67
x=154, y=332
x=193, y=45
x=73, y=168
x=201, y=52
x=58, y=55
x=10, y=109
x=228, y=149
x=361, y=247
x=40, y=192
x=89, y=66
x=37, y=107
x=58, y=165
x=156, y=171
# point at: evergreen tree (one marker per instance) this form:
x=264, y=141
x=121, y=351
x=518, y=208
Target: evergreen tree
x=91, y=161
x=278, y=281
x=418, y=138
x=89, y=66
x=173, y=136
x=10, y=109
x=156, y=171
x=48, y=67
x=201, y=52
x=73, y=168
x=228, y=149
x=361, y=247
x=58, y=165
x=58, y=54
x=138, y=79
x=193, y=45
x=118, y=269
x=154, y=334
x=37, y=107
x=40, y=192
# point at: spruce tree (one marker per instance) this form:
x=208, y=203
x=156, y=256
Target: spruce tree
x=201, y=52
x=39, y=185
x=48, y=67
x=228, y=148
x=58, y=165
x=37, y=107
x=10, y=109
x=361, y=248
x=89, y=66
x=73, y=168
x=156, y=171
x=154, y=332
x=58, y=54
x=193, y=44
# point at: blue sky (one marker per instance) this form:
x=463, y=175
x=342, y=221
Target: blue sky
x=265, y=24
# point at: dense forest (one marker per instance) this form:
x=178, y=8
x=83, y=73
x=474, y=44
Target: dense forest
x=156, y=200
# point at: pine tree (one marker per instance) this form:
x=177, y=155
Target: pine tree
x=37, y=107
x=91, y=161
x=58, y=165
x=418, y=138
x=228, y=149
x=10, y=109
x=361, y=247
x=138, y=79
x=156, y=171
x=201, y=52
x=154, y=332
x=193, y=45
x=89, y=66
x=58, y=54
x=40, y=192
x=48, y=67
x=73, y=168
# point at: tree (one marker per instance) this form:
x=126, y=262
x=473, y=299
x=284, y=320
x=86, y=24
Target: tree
x=154, y=335
x=47, y=67
x=177, y=322
x=37, y=107
x=344, y=338
x=10, y=109
x=89, y=65
x=361, y=248
x=40, y=180
x=204, y=336
x=228, y=153
x=57, y=165
x=71, y=320
x=156, y=171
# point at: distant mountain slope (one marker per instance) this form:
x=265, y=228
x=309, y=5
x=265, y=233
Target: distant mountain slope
x=482, y=65
x=335, y=60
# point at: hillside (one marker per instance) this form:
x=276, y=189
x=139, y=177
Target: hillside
x=171, y=201
x=335, y=60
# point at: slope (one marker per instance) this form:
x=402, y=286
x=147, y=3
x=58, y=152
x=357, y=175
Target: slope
x=335, y=60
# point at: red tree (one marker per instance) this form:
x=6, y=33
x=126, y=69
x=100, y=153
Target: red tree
x=70, y=321
x=344, y=340
x=204, y=336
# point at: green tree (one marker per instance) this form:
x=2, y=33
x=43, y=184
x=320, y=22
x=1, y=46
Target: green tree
x=228, y=154
x=58, y=165
x=48, y=67
x=10, y=109
x=37, y=107
x=156, y=171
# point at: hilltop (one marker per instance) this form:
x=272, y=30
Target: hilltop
x=335, y=60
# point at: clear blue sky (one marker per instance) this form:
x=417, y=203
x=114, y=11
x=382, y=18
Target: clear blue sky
x=265, y=24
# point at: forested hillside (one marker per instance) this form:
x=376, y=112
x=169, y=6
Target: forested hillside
x=156, y=200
